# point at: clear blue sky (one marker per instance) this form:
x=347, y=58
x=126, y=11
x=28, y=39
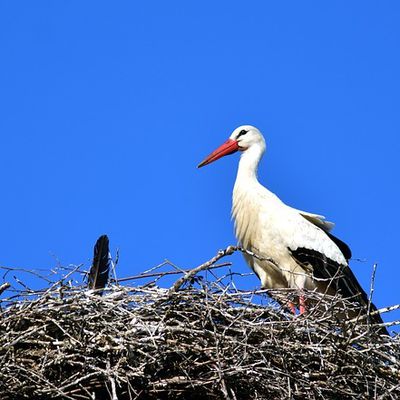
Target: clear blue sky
x=107, y=108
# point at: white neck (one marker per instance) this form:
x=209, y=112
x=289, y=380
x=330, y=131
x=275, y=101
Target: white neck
x=245, y=207
x=248, y=165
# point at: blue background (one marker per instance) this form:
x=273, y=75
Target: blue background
x=107, y=108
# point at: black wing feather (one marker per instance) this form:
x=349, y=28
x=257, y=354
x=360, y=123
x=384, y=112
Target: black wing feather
x=337, y=276
x=98, y=275
x=343, y=247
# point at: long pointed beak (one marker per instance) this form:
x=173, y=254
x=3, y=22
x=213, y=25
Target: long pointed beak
x=229, y=147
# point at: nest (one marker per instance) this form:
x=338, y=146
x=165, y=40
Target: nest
x=201, y=339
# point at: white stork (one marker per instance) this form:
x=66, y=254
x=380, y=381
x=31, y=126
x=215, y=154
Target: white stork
x=295, y=249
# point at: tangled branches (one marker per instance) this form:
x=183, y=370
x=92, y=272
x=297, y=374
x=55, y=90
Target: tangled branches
x=201, y=339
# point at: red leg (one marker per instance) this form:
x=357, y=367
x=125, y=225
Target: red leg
x=302, y=302
x=292, y=307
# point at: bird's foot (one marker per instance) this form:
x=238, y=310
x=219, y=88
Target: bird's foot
x=302, y=304
x=292, y=307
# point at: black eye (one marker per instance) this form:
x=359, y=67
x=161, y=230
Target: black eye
x=241, y=133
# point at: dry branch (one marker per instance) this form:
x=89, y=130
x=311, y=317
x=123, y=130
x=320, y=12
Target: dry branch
x=4, y=286
x=201, y=339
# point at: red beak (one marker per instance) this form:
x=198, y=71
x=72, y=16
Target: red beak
x=229, y=147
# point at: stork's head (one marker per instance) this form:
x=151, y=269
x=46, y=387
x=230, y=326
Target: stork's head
x=243, y=138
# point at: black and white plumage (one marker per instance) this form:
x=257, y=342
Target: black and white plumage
x=305, y=254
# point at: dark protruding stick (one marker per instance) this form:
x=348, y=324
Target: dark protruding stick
x=99, y=271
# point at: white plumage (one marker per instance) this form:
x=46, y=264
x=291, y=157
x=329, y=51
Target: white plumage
x=269, y=228
x=304, y=254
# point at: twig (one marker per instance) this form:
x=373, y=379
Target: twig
x=162, y=274
x=371, y=292
x=209, y=340
x=189, y=275
x=4, y=287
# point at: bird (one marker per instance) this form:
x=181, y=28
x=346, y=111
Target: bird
x=295, y=249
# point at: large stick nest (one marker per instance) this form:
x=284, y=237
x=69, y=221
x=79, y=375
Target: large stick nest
x=204, y=338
